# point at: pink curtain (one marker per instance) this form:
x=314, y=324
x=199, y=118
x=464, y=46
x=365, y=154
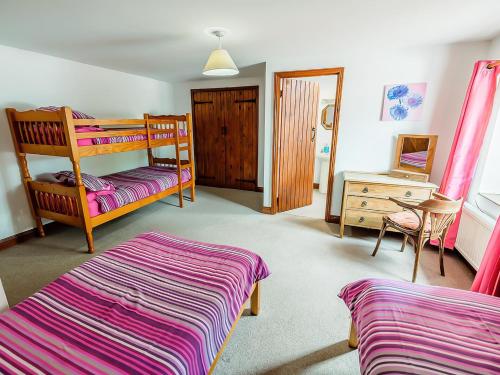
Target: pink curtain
x=469, y=136
x=487, y=279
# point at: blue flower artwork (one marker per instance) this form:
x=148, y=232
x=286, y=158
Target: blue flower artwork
x=397, y=92
x=403, y=102
x=398, y=112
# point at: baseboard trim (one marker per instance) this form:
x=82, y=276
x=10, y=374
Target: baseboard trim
x=267, y=210
x=18, y=238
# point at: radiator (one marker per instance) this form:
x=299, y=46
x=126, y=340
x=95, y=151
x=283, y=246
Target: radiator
x=474, y=233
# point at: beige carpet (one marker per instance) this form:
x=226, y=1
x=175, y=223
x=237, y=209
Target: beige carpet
x=302, y=327
x=316, y=210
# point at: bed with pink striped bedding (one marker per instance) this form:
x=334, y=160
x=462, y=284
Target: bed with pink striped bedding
x=405, y=328
x=135, y=184
x=156, y=304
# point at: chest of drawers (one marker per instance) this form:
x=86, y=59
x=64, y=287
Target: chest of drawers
x=366, y=197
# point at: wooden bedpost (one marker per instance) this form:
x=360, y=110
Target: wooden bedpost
x=148, y=133
x=353, y=337
x=178, y=163
x=69, y=129
x=25, y=173
x=189, y=123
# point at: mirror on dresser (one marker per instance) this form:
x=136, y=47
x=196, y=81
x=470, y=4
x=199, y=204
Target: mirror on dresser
x=415, y=153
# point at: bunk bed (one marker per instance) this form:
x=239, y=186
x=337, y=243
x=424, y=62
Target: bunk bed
x=61, y=133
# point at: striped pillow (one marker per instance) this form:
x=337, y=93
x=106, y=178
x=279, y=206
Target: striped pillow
x=76, y=114
x=90, y=182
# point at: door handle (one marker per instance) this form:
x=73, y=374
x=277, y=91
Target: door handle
x=313, y=136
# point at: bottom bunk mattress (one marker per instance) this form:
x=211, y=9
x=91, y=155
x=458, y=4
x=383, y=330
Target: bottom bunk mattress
x=405, y=328
x=156, y=304
x=133, y=185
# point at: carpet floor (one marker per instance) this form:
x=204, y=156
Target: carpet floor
x=303, y=325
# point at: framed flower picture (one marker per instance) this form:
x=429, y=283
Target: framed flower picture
x=403, y=102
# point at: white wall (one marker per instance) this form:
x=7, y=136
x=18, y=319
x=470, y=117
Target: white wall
x=494, y=51
x=365, y=143
x=29, y=80
x=182, y=102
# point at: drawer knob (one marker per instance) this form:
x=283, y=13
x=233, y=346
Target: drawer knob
x=365, y=190
x=364, y=203
x=361, y=219
x=408, y=194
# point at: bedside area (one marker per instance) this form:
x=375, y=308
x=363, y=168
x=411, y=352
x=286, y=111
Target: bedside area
x=365, y=198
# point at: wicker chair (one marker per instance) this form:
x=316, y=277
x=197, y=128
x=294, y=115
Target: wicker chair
x=431, y=224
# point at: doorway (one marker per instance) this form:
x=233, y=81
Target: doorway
x=225, y=123
x=299, y=111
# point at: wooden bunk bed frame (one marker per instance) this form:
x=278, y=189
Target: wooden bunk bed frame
x=53, y=133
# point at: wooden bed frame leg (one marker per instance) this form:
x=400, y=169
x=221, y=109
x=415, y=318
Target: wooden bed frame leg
x=181, y=202
x=90, y=241
x=39, y=226
x=255, y=300
x=353, y=337
x=193, y=194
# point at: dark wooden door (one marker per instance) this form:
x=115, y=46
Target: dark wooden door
x=209, y=141
x=226, y=137
x=297, y=139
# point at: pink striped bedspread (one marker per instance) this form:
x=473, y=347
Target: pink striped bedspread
x=415, y=159
x=118, y=139
x=136, y=184
x=134, y=138
x=156, y=304
x=405, y=328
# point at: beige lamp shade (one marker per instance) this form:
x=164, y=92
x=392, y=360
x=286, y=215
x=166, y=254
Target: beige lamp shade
x=220, y=63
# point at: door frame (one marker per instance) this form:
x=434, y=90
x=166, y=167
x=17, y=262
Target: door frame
x=277, y=129
x=253, y=87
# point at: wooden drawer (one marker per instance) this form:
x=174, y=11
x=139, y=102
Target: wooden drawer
x=368, y=203
x=381, y=190
x=367, y=219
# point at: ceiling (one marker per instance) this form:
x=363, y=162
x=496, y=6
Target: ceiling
x=164, y=39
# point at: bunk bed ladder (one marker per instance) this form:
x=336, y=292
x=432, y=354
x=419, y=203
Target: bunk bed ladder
x=148, y=133
x=178, y=163
x=189, y=125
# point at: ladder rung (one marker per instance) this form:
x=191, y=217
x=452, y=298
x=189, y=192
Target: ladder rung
x=184, y=148
x=184, y=166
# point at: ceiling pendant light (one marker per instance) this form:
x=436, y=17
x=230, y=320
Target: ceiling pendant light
x=219, y=62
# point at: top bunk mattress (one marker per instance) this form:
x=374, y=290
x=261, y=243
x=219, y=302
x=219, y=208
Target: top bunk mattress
x=156, y=304
x=123, y=139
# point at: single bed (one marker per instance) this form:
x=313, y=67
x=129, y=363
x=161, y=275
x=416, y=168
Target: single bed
x=405, y=328
x=157, y=304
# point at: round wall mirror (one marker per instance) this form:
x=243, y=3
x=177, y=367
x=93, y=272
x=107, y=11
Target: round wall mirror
x=327, y=116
